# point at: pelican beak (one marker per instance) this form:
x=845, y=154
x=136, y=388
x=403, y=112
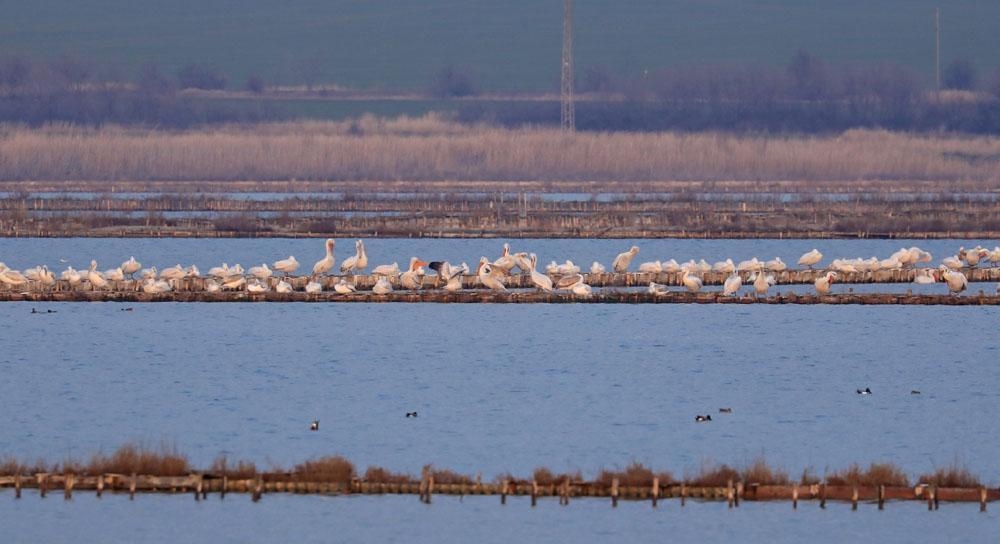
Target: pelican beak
x=420, y=263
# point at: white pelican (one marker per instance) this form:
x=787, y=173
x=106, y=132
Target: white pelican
x=621, y=262
x=255, y=286
x=752, y=265
x=382, y=286
x=71, y=276
x=314, y=287
x=657, y=289
x=344, y=288
x=597, y=268
x=823, y=283
x=487, y=277
x=95, y=278
x=581, y=289
x=703, y=266
x=325, y=264
x=724, y=267
x=10, y=277
x=762, y=282
x=892, y=263
x=283, y=287
x=918, y=255
x=41, y=275
x=692, y=282
x=219, y=271
x=506, y=261
x=234, y=283
x=776, y=265
x=924, y=277
x=356, y=262
x=131, y=266
x=671, y=266
x=957, y=282
x=540, y=280
x=732, y=284
x=386, y=270
x=844, y=266
x=654, y=267
x=811, y=258
x=151, y=285
x=172, y=273
x=192, y=272
x=953, y=263
x=567, y=268
x=994, y=256
x=288, y=266
x=691, y=267
x=522, y=261
x=455, y=278
x=567, y=282
x=974, y=255
x=212, y=286
x=412, y=279
x=552, y=268
x=262, y=272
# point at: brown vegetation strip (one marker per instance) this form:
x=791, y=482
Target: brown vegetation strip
x=166, y=470
x=431, y=148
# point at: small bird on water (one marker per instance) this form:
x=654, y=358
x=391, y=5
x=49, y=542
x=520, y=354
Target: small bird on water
x=865, y=391
x=914, y=392
x=411, y=414
x=725, y=410
x=702, y=418
x=314, y=426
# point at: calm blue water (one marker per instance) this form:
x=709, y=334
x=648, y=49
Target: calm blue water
x=498, y=388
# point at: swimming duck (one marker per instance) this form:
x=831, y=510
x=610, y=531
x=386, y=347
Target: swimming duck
x=725, y=410
x=865, y=391
x=411, y=414
x=314, y=426
x=701, y=419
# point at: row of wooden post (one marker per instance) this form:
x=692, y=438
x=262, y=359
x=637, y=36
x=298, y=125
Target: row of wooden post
x=733, y=491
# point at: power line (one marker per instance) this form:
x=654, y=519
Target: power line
x=568, y=110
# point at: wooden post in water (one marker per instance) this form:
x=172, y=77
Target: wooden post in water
x=424, y=475
x=258, y=488
x=684, y=493
x=881, y=497
x=100, y=486
x=43, y=484
x=739, y=493
x=730, y=493
x=982, y=499
x=937, y=499
x=430, y=487
x=503, y=492
x=197, y=487
x=614, y=492
x=68, y=486
x=131, y=487
x=854, y=498
x=534, y=492
x=17, y=486
x=225, y=484
x=822, y=495
x=930, y=498
x=656, y=489
x=795, y=497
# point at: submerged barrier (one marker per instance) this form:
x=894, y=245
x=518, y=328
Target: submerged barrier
x=201, y=484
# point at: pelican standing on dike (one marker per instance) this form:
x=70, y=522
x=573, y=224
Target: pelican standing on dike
x=413, y=278
x=692, y=282
x=131, y=266
x=506, y=261
x=762, y=282
x=811, y=258
x=540, y=280
x=344, y=288
x=621, y=262
x=95, y=278
x=957, y=282
x=581, y=289
x=487, y=277
x=325, y=264
x=356, y=262
x=824, y=282
x=732, y=284
x=382, y=286
x=288, y=266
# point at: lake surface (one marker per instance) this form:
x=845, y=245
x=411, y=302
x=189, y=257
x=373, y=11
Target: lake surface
x=498, y=388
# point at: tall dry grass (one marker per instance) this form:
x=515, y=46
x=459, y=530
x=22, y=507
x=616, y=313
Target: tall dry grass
x=433, y=148
x=953, y=475
x=886, y=474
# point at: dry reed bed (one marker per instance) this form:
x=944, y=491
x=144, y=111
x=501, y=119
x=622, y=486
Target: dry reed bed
x=157, y=467
x=433, y=148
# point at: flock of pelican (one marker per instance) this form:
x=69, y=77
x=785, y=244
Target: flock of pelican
x=493, y=274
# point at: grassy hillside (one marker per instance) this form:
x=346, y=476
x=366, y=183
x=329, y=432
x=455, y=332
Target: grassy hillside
x=511, y=45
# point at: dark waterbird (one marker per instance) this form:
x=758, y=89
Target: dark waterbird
x=865, y=391
x=314, y=426
x=701, y=419
x=411, y=414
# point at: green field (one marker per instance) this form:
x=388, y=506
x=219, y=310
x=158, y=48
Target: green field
x=510, y=44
